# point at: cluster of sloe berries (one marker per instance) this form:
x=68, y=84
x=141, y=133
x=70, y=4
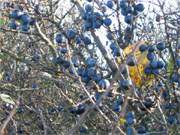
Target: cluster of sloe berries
x=155, y=64
x=129, y=11
x=88, y=72
x=20, y=20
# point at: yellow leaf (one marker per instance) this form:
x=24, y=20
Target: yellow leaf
x=1, y=75
x=122, y=121
x=118, y=60
x=137, y=72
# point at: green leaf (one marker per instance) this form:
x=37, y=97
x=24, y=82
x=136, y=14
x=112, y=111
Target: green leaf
x=3, y=56
x=170, y=67
x=1, y=75
x=2, y=21
x=6, y=98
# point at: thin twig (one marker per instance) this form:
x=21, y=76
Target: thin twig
x=12, y=113
x=43, y=122
x=51, y=45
